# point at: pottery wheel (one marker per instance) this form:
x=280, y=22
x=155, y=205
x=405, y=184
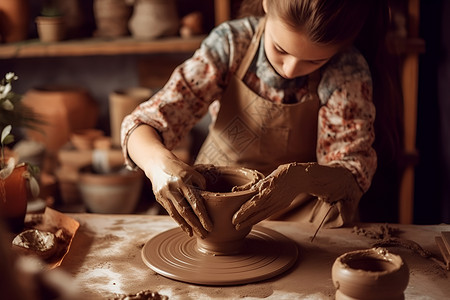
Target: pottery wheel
x=174, y=254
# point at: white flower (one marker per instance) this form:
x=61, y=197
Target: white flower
x=11, y=75
x=5, y=89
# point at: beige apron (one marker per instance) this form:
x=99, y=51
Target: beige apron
x=255, y=133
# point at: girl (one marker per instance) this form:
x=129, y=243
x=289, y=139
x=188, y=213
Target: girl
x=294, y=101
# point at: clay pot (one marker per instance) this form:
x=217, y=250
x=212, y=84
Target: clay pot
x=370, y=274
x=64, y=109
x=222, y=200
x=14, y=198
x=123, y=102
x=154, y=18
x=51, y=29
x=111, y=193
x=14, y=20
x=111, y=17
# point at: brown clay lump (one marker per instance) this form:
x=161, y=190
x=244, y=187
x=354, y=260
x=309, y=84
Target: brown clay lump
x=35, y=242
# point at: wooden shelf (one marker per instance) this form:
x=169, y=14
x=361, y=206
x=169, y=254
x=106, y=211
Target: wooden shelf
x=99, y=46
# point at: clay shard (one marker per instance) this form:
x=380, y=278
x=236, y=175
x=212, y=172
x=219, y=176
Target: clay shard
x=37, y=242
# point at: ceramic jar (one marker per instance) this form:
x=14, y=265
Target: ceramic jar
x=121, y=103
x=370, y=275
x=154, y=18
x=223, y=198
x=111, y=17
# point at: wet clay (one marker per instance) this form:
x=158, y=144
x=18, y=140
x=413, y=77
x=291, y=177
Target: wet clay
x=227, y=188
x=266, y=253
x=226, y=256
x=370, y=274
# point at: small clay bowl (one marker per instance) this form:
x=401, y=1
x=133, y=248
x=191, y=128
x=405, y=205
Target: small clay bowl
x=227, y=188
x=370, y=274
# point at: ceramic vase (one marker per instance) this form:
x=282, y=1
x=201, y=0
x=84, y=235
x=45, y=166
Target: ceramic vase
x=121, y=103
x=14, y=20
x=154, y=18
x=14, y=198
x=222, y=200
x=111, y=17
x=369, y=275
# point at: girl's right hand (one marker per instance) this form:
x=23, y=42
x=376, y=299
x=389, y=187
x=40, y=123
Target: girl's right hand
x=175, y=187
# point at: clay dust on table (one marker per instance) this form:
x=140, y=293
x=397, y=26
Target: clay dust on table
x=387, y=236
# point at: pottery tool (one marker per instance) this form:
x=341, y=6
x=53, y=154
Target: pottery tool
x=323, y=220
x=443, y=243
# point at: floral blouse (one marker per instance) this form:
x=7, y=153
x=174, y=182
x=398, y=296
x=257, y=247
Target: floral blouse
x=346, y=116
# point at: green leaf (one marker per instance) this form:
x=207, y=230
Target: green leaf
x=8, y=139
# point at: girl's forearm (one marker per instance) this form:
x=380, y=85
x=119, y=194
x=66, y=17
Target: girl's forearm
x=145, y=148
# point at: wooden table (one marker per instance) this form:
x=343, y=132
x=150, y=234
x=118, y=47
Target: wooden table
x=105, y=260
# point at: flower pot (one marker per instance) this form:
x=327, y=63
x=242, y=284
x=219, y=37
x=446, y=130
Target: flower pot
x=14, y=20
x=51, y=29
x=121, y=103
x=154, y=18
x=13, y=198
x=111, y=193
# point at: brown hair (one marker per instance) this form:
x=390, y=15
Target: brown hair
x=365, y=23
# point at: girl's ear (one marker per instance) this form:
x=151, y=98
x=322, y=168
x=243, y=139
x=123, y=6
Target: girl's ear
x=264, y=4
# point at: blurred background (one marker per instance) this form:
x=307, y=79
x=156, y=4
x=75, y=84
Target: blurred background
x=103, y=62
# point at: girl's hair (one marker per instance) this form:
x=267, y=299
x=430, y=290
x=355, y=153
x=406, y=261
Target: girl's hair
x=363, y=23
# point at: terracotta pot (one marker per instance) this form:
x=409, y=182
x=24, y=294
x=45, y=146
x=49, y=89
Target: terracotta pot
x=112, y=193
x=51, y=29
x=121, y=103
x=65, y=109
x=154, y=18
x=370, y=274
x=111, y=17
x=221, y=203
x=14, y=20
x=13, y=198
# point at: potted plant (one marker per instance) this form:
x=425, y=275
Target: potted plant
x=17, y=181
x=50, y=24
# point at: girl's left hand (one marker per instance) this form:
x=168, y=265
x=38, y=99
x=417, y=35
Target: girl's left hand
x=278, y=190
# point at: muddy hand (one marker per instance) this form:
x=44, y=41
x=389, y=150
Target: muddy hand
x=174, y=188
x=278, y=190
x=273, y=196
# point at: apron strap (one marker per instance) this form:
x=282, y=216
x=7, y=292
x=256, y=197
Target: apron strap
x=251, y=51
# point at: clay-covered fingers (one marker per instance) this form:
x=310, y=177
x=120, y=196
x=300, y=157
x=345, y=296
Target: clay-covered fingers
x=197, y=204
x=254, y=211
x=173, y=213
x=179, y=200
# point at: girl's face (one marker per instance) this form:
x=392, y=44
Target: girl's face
x=291, y=53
